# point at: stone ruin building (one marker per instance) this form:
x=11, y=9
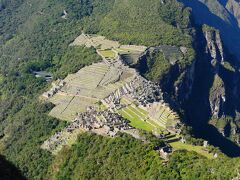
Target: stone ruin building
x=55, y=88
x=103, y=122
x=108, y=122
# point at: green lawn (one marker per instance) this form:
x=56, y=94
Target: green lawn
x=136, y=111
x=107, y=53
x=142, y=111
x=156, y=125
x=138, y=116
x=199, y=149
x=136, y=121
x=123, y=51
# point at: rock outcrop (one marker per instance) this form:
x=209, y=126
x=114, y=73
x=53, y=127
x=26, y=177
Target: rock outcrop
x=214, y=97
x=223, y=15
x=214, y=49
x=217, y=97
x=214, y=46
x=233, y=7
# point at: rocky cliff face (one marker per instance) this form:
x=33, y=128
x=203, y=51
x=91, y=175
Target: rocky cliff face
x=214, y=48
x=223, y=95
x=217, y=97
x=223, y=15
x=233, y=6
x=210, y=89
x=207, y=90
x=183, y=87
x=215, y=94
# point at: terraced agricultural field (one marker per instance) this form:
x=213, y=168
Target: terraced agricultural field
x=102, y=85
x=87, y=87
x=123, y=51
x=133, y=48
x=107, y=53
x=171, y=53
x=131, y=58
x=198, y=149
x=68, y=106
x=93, y=83
x=138, y=117
x=136, y=121
x=159, y=116
x=162, y=114
x=130, y=54
x=95, y=41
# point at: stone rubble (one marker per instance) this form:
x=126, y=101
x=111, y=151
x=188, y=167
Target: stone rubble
x=107, y=122
x=55, y=88
x=111, y=123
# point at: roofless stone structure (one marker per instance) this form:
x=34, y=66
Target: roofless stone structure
x=96, y=97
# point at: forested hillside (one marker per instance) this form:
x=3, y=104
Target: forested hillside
x=127, y=158
x=35, y=36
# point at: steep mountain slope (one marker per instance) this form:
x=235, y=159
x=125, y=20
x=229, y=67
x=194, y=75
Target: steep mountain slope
x=8, y=170
x=222, y=15
x=221, y=79
x=35, y=35
x=97, y=160
x=233, y=7
x=212, y=107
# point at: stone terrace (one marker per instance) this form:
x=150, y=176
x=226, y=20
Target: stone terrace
x=109, y=84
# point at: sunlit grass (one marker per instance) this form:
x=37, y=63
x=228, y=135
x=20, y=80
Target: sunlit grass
x=107, y=53
x=136, y=121
x=198, y=149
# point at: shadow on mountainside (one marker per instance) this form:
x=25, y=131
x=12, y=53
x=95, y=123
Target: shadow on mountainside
x=223, y=2
x=228, y=30
x=211, y=134
x=198, y=110
x=8, y=171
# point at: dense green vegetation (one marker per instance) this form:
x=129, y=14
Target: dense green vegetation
x=127, y=158
x=158, y=65
x=23, y=138
x=25, y=123
x=127, y=23
x=44, y=34
x=106, y=158
x=41, y=33
x=42, y=45
x=34, y=36
x=73, y=59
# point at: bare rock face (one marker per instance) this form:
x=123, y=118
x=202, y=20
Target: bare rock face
x=214, y=46
x=216, y=72
x=224, y=91
x=223, y=15
x=183, y=88
x=233, y=7
x=217, y=97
